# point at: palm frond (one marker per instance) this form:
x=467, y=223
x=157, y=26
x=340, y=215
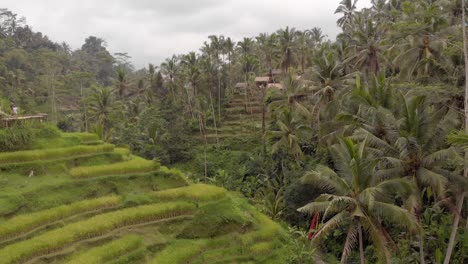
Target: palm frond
x=395, y=215
x=430, y=178
x=326, y=178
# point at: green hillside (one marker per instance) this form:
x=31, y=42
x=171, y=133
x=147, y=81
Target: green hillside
x=78, y=200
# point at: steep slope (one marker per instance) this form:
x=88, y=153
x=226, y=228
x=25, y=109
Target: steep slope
x=74, y=199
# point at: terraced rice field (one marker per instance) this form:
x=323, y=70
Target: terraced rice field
x=86, y=202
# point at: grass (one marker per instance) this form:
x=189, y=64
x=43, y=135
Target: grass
x=268, y=230
x=53, y=192
x=62, y=208
x=95, y=226
x=23, y=223
x=108, y=251
x=225, y=217
x=43, y=167
x=83, y=137
x=48, y=154
x=135, y=165
x=196, y=192
x=181, y=251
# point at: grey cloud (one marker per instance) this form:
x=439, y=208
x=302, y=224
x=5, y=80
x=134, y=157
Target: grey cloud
x=151, y=30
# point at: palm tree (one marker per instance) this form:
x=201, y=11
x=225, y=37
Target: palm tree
x=267, y=43
x=289, y=134
x=365, y=47
x=304, y=44
x=359, y=200
x=316, y=35
x=417, y=151
x=249, y=66
x=169, y=68
x=328, y=77
x=422, y=41
x=347, y=8
x=190, y=61
x=245, y=46
x=292, y=97
x=100, y=107
x=229, y=49
x=121, y=83
x=286, y=38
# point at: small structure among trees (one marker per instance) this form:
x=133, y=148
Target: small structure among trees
x=8, y=121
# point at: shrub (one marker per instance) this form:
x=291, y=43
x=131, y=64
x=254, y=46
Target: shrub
x=16, y=138
x=84, y=137
x=47, y=131
x=95, y=226
x=135, y=165
x=23, y=223
x=108, y=251
x=47, y=154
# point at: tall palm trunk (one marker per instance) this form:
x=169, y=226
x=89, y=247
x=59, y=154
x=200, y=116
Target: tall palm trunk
x=460, y=199
x=361, y=245
x=85, y=114
x=263, y=122
x=205, y=143
x=189, y=101
x=219, y=96
x=421, y=245
x=214, y=119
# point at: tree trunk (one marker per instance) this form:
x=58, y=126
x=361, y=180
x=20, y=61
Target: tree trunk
x=219, y=96
x=457, y=216
x=361, y=245
x=214, y=119
x=263, y=122
x=453, y=234
x=421, y=246
x=205, y=143
x=189, y=102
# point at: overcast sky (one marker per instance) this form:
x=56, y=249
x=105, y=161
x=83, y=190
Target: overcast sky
x=152, y=30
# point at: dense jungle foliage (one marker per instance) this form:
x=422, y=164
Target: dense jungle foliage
x=366, y=135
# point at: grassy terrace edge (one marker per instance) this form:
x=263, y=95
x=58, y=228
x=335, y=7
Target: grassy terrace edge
x=135, y=165
x=23, y=223
x=48, y=154
x=108, y=251
x=95, y=226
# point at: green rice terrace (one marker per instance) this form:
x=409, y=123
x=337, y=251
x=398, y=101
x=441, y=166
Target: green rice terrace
x=71, y=198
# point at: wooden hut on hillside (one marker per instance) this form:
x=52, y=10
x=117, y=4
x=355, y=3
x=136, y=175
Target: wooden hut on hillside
x=262, y=81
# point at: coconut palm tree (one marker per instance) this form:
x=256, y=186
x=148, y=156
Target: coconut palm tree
x=229, y=49
x=268, y=45
x=365, y=50
x=121, y=84
x=316, y=35
x=358, y=200
x=287, y=46
x=304, y=44
x=245, y=46
x=169, y=67
x=417, y=151
x=289, y=133
x=100, y=106
x=421, y=41
x=347, y=8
